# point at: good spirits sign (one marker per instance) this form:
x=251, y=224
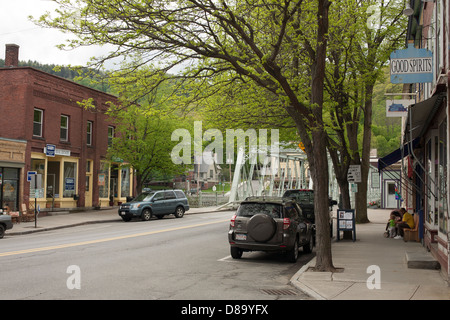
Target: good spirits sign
x=411, y=65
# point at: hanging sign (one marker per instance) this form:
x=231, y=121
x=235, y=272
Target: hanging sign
x=411, y=65
x=398, y=108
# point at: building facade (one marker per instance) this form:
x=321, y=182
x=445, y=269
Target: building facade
x=426, y=130
x=52, y=150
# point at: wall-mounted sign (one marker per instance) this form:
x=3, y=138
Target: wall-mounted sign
x=398, y=108
x=50, y=150
x=411, y=65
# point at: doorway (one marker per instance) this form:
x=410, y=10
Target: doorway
x=88, y=190
x=390, y=197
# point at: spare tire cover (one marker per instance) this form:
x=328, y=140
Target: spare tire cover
x=261, y=227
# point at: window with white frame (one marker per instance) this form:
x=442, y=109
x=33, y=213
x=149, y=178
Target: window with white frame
x=38, y=119
x=89, y=133
x=64, y=128
x=110, y=135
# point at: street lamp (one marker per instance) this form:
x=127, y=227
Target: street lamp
x=408, y=11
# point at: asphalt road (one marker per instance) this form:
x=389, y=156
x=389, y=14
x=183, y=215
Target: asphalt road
x=165, y=259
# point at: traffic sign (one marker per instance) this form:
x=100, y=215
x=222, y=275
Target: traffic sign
x=354, y=173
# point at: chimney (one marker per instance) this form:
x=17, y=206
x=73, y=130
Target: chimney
x=12, y=55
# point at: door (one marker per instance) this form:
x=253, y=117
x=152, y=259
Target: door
x=391, y=201
x=88, y=190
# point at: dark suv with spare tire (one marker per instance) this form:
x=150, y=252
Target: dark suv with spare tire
x=270, y=224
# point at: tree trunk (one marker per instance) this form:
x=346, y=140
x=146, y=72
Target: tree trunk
x=361, y=196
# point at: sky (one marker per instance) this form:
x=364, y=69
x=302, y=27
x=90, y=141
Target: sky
x=37, y=43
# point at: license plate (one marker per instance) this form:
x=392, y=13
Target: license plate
x=240, y=236
x=122, y=213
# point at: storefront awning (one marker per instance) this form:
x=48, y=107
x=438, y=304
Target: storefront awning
x=397, y=155
x=420, y=116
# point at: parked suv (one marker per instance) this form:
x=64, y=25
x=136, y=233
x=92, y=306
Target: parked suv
x=155, y=203
x=5, y=224
x=270, y=224
x=305, y=198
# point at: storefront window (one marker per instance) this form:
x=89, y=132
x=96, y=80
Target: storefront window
x=9, y=191
x=38, y=165
x=103, y=180
x=70, y=172
x=443, y=211
x=125, y=182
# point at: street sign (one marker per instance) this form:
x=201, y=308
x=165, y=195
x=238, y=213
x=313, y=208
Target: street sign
x=354, y=173
x=50, y=150
x=30, y=174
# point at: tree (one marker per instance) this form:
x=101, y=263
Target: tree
x=278, y=45
x=144, y=126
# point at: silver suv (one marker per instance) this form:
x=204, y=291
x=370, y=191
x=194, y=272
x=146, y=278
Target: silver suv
x=270, y=224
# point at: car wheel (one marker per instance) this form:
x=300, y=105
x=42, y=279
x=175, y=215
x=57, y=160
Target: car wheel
x=146, y=215
x=293, y=254
x=126, y=219
x=308, y=248
x=236, y=253
x=2, y=231
x=179, y=212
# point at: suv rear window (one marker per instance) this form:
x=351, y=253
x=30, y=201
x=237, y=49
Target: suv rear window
x=180, y=194
x=302, y=196
x=250, y=209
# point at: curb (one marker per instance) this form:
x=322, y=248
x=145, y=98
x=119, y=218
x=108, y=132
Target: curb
x=301, y=286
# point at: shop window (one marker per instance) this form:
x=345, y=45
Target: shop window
x=37, y=122
x=103, y=180
x=443, y=210
x=9, y=191
x=70, y=172
x=125, y=182
x=38, y=165
x=64, y=129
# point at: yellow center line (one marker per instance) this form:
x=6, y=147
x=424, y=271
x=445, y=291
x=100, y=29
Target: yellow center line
x=76, y=244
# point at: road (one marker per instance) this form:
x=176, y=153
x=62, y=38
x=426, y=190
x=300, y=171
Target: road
x=165, y=259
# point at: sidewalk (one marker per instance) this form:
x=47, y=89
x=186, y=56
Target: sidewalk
x=398, y=282
x=59, y=220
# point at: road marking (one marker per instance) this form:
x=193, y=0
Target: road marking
x=76, y=244
x=225, y=258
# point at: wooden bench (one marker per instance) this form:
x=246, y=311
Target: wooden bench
x=15, y=216
x=412, y=234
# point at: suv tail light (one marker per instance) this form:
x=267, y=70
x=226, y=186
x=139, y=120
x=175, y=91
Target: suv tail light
x=286, y=223
x=233, y=219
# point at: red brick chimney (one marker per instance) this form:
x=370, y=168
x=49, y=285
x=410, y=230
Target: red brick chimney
x=12, y=55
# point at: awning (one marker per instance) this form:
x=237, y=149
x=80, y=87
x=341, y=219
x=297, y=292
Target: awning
x=397, y=155
x=420, y=116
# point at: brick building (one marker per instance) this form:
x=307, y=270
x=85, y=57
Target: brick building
x=44, y=131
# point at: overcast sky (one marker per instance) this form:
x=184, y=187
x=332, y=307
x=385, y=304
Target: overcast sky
x=36, y=43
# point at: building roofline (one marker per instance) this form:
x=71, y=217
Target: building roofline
x=57, y=77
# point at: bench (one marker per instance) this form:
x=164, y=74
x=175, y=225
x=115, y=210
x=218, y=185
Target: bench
x=15, y=216
x=412, y=234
